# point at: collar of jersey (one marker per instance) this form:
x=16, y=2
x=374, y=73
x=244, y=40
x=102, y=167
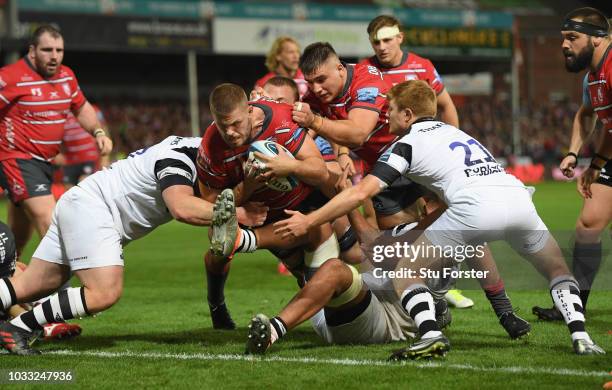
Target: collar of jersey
x=405, y=55
x=267, y=117
x=29, y=64
x=603, y=59
x=421, y=120
x=349, y=80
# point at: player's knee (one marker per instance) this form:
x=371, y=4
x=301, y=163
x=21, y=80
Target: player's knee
x=103, y=298
x=349, y=284
x=591, y=223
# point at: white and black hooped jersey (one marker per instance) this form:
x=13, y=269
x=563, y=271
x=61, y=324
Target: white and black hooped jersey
x=442, y=158
x=132, y=187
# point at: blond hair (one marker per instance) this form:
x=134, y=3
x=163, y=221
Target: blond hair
x=276, y=49
x=415, y=95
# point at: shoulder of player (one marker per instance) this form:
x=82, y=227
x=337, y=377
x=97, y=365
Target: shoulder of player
x=364, y=75
x=367, y=61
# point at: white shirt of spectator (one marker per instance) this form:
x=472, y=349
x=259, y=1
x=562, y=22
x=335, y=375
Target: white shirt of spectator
x=132, y=187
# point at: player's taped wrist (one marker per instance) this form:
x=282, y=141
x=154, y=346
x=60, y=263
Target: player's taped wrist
x=343, y=151
x=99, y=131
x=317, y=123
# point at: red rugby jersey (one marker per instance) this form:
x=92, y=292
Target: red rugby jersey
x=220, y=166
x=33, y=110
x=600, y=91
x=366, y=89
x=299, y=80
x=79, y=146
x=412, y=67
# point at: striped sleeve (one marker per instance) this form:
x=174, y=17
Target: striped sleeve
x=394, y=163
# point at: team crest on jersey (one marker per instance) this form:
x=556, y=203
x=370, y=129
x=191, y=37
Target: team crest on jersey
x=367, y=95
x=66, y=88
x=2, y=83
x=600, y=94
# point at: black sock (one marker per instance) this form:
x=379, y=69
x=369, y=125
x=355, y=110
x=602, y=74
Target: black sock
x=498, y=298
x=216, y=288
x=587, y=259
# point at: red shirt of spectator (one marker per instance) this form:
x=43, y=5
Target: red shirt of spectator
x=78, y=145
x=33, y=110
x=220, y=166
x=412, y=67
x=364, y=88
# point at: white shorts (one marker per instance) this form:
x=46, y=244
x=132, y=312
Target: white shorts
x=485, y=214
x=379, y=323
x=82, y=233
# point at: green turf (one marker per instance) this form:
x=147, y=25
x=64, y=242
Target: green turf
x=162, y=312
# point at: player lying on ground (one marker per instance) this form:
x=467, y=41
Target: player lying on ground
x=349, y=308
x=485, y=204
x=91, y=224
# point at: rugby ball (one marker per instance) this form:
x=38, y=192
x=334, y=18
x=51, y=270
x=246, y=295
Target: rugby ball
x=270, y=149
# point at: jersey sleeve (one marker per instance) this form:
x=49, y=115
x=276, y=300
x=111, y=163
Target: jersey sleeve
x=78, y=98
x=327, y=151
x=586, y=97
x=8, y=89
x=368, y=90
x=394, y=163
x=434, y=78
x=294, y=139
x=174, y=168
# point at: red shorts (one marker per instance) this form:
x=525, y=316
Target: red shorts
x=24, y=179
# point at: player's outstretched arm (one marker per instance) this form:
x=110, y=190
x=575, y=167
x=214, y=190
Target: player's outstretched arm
x=299, y=224
x=186, y=207
x=88, y=119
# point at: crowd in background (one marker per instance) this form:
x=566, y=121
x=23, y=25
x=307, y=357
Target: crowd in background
x=545, y=128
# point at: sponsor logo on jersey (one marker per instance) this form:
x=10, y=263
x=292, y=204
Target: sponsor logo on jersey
x=66, y=88
x=367, y=95
x=40, y=188
x=2, y=83
x=410, y=76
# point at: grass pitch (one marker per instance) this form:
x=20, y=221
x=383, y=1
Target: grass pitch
x=159, y=334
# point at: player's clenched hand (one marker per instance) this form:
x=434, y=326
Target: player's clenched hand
x=252, y=214
x=281, y=165
x=105, y=144
x=567, y=166
x=302, y=114
x=294, y=226
x=585, y=180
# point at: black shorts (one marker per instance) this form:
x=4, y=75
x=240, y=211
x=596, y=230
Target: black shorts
x=72, y=173
x=604, y=175
x=25, y=179
x=399, y=195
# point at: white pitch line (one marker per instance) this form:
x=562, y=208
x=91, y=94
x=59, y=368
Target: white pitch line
x=339, y=362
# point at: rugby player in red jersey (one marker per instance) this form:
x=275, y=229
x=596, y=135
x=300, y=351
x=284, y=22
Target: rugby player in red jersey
x=220, y=164
x=397, y=66
x=587, y=45
x=36, y=93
